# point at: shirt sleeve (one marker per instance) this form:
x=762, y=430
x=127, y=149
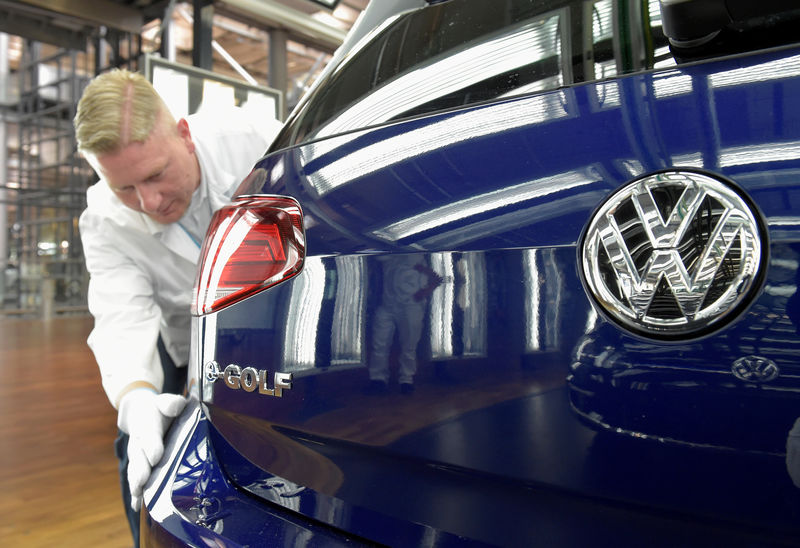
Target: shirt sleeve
x=126, y=315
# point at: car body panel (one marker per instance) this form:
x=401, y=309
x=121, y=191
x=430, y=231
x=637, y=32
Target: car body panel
x=507, y=326
x=452, y=239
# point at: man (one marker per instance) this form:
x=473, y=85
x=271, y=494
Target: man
x=160, y=182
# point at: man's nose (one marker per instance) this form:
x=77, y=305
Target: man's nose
x=149, y=198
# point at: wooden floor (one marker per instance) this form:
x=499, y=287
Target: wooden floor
x=58, y=474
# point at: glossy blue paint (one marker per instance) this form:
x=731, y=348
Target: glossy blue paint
x=192, y=503
x=443, y=181
x=195, y=505
x=532, y=417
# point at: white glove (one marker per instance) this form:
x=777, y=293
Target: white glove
x=145, y=416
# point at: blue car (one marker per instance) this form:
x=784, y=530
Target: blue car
x=516, y=273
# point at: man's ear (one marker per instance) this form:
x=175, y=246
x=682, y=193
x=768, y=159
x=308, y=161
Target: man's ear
x=185, y=134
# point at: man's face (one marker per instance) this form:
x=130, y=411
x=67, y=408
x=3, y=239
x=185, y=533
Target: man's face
x=157, y=177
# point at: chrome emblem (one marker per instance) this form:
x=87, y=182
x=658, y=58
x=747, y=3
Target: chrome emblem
x=248, y=379
x=755, y=369
x=673, y=254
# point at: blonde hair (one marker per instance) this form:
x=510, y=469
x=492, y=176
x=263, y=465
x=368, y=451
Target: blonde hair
x=118, y=108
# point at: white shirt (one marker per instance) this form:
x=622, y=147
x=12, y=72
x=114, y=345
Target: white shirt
x=142, y=272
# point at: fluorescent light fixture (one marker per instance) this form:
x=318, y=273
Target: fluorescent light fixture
x=521, y=45
x=772, y=70
x=477, y=205
x=460, y=127
x=760, y=154
x=672, y=84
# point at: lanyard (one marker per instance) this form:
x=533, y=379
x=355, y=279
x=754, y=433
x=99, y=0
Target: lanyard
x=195, y=240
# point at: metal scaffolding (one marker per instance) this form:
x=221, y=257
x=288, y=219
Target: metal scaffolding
x=45, y=272
x=43, y=181
x=43, y=191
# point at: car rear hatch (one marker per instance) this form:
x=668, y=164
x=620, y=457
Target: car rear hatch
x=490, y=447
x=448, y=245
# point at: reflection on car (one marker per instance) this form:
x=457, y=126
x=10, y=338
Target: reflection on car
x=514, y=273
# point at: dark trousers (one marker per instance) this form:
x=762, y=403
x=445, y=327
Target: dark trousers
x=174, y=383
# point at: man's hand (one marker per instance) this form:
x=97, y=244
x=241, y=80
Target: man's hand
x=145, y=416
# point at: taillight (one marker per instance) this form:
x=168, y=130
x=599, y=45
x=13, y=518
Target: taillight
x=251, y=245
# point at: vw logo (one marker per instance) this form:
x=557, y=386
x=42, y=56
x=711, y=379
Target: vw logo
x=755, y=369
x=673, y=255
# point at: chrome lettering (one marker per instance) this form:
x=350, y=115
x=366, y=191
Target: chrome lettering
x=283, y=381
x=262, y=385
x=231, y=376
x=212, y=371
x=249, y=379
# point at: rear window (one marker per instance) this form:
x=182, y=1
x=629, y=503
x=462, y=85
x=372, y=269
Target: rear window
x=463, y=52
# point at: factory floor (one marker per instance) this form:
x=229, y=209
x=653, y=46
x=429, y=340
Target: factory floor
x=58, y=474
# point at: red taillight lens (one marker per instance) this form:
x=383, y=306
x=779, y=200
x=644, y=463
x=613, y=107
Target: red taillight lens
x=251, y=245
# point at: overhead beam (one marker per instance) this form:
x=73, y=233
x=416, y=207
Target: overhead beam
x=95, y=12
x=41, y=29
